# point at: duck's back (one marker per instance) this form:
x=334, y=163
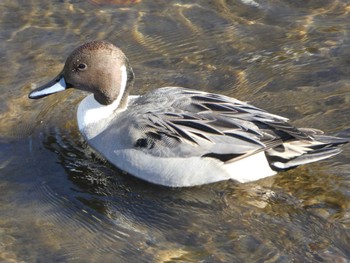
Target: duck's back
x=179, y=137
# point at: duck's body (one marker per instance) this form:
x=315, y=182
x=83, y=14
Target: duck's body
x=179, y=137
x=168, y=137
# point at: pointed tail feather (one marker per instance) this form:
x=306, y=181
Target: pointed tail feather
x=315, y=156
x=331, y=140
x=295, y=153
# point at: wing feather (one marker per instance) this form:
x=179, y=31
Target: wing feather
x=210, y=125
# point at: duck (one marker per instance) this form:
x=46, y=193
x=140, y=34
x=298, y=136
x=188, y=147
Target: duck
x=175, y=136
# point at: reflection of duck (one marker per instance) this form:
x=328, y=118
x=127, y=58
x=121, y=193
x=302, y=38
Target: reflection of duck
x=179, y=137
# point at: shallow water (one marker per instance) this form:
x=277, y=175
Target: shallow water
x=60, y=202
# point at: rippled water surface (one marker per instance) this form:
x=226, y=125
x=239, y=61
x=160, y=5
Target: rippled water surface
x=59, y=202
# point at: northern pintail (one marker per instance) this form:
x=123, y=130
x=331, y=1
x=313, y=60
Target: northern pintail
x=175, y=136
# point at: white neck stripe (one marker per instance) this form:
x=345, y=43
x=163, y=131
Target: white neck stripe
x=91, y=112
x=122, y=86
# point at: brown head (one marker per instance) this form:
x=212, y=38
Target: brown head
x=98, y=67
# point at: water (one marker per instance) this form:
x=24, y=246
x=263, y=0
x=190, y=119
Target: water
x=60, y=202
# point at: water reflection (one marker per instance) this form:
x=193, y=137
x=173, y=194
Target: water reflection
x=61, y=202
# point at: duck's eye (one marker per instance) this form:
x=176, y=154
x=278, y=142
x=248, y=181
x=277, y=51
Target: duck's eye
x=82, y=66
